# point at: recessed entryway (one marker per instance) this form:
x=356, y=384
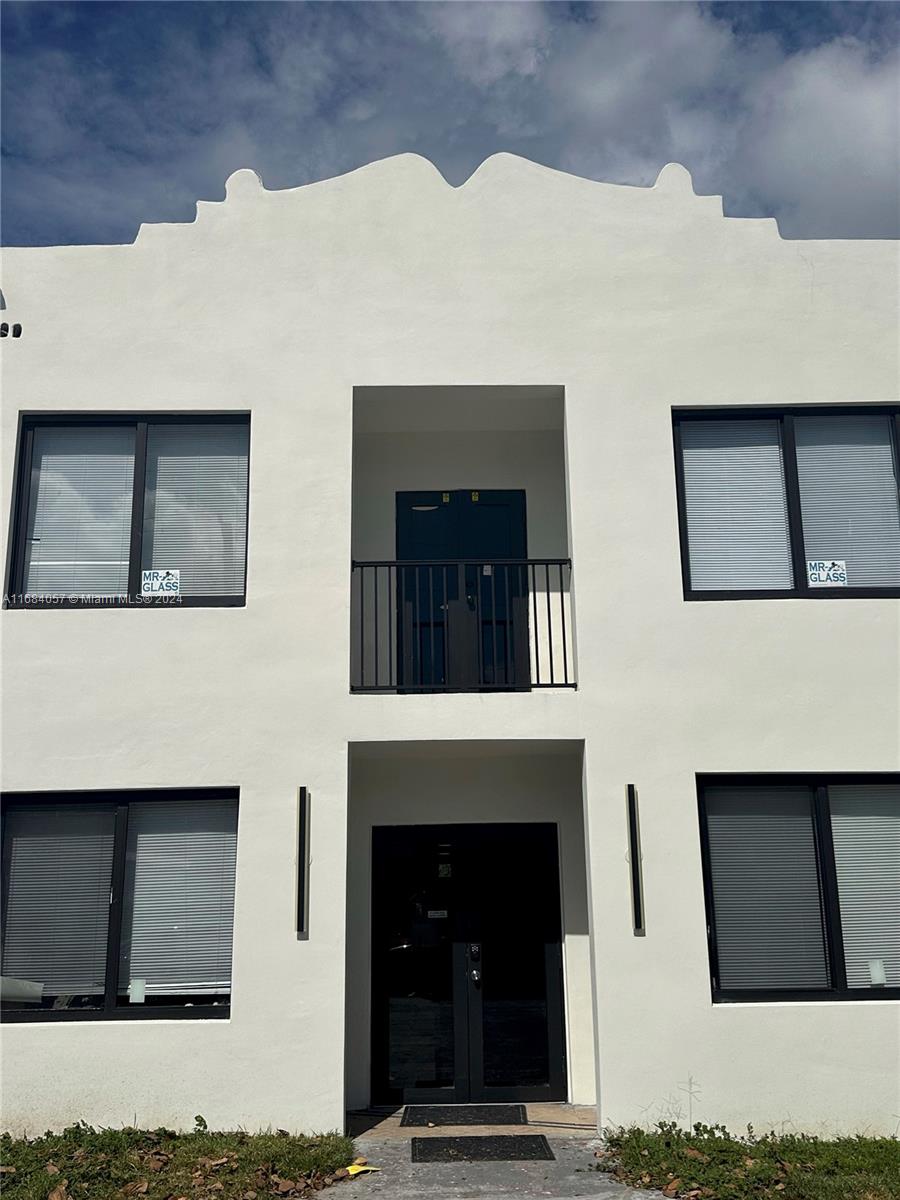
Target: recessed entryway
x=467, y=982
x=468, y=974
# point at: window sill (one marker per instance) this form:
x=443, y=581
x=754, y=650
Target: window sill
x=844, y=593
x=49, y=1016
x=793, y=999
x=114, y=602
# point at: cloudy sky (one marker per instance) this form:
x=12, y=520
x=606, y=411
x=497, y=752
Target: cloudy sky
x=114, y=114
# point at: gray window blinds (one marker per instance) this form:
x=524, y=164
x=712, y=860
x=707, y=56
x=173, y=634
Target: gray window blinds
x=848, y=495
x=79, y=514
x=195, y=512
x=765, y=884
x=865, y=829
x=737, y=519
x=179, y=898
x=56, y=916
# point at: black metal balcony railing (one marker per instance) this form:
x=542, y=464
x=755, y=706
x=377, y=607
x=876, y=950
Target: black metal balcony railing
x=462, y=626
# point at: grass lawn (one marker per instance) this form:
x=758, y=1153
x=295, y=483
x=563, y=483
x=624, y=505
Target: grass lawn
x=117, y=1164
x=710, y=1164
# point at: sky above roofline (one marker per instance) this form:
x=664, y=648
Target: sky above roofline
x=116, y=114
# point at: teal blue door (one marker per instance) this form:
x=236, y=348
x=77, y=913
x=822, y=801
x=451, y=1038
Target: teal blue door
x=462, y=590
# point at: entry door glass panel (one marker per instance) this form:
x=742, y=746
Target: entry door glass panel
x=516, y=921
x=413, y=954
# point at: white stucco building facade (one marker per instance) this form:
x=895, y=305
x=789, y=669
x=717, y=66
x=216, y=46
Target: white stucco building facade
x=392, y=347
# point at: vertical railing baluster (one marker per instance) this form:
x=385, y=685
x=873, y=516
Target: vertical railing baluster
x=417, y=640
x=493, y=625
x=377, y=637
x=537, y=637
x=562, y=613
x=431, y=622
x=392, y=608
x=446, y=626
x=549, y=623
x=508, y=627
x=362, y=626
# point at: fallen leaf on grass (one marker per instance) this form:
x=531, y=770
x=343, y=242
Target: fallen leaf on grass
x=139, y=1187
x=690, y=1152
x=156, y=1161
x=7, y=1170
x=59, y=1193
x=361, y=1162
x=671, y=1189
x=51, y=1168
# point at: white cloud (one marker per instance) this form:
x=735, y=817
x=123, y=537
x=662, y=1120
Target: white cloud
x=821, y=143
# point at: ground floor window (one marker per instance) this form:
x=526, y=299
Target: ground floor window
x=118, y=904
x=802, y=887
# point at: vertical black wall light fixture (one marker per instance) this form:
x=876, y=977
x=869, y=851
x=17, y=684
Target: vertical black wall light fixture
x=634, y=859
x=303, y=863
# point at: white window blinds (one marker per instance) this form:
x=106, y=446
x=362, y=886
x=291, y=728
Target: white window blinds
x=737, y=520
x=57, y=909
x=848, y=495
x=179, y=898
x=765, y=883
x=195, y=512
x=865, y=828
x=79, y=513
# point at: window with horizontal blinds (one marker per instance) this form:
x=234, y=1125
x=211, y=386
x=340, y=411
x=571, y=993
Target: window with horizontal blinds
x=58, y=866
x=765, y=888
x=179, y=898
x=79, y=514
x=865, y=829
x=849, y=498
x=736, y=506
x=195, y=511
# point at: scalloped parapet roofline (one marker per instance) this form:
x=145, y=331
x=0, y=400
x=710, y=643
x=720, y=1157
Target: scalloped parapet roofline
x=673, y=187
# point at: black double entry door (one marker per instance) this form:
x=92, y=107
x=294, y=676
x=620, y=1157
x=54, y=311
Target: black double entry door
x=462, y=591
x=467, y=991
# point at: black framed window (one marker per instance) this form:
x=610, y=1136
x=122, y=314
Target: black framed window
x=802, y=885
x=124, y=510
x=117, y=905
x=789, y=502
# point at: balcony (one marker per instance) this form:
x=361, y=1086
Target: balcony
x=461, y=572
x=462, y=626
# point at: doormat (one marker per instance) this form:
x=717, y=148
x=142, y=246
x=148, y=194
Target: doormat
x=499, y=1147
x=464, y=1114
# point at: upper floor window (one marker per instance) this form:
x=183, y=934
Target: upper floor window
x=117, y=510
x=802, y=886
x=118, y=904
x=792, y=503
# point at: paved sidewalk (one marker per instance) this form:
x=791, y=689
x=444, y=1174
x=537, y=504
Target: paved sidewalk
x=570, y=1130
x=571, y=1175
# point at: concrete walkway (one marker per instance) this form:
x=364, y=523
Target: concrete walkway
x=570, y=1130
